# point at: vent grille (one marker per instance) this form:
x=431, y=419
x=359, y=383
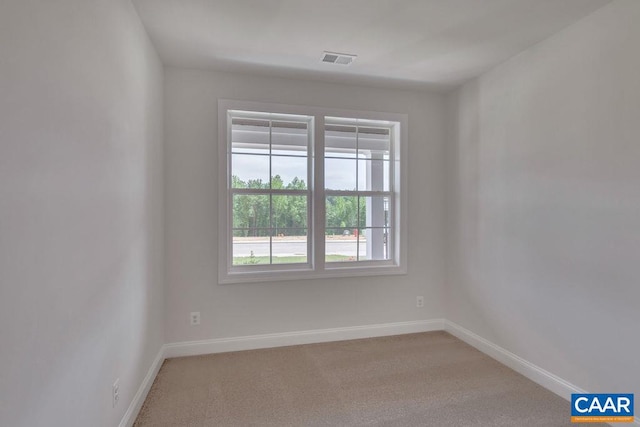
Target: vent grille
x=338, y=58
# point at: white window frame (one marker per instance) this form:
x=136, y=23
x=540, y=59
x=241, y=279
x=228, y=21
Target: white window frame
x=316, y=267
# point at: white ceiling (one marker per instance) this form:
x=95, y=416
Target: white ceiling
x=401, y=43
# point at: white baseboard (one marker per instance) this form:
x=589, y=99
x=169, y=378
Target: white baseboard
x=138, y=399
x=252, y=342
x=535, y=373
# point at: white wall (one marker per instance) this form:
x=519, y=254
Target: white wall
x=81, y=272
x=544, y=203
x=192, y=216
x=543, y=208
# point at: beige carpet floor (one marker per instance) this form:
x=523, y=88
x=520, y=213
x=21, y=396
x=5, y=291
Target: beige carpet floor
x=426, y=379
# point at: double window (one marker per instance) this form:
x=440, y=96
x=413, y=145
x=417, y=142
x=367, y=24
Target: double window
x=309, y=192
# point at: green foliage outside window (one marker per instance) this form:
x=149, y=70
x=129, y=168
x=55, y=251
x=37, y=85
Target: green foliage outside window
x=251, y=211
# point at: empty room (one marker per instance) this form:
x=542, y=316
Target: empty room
x=319, y=213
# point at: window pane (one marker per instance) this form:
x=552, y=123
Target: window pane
x=373, y=175
x=289, y=172
x=373, y=143
x=374, y=244
x=250, y=136
x=289, y=246
x=342, y=212
x=249, y=171
x=340, y=141
x=340, y=174
x=374, y=211
x=251, y=213
x=288, y=212
x=289, y=138
x=341, y=245
x=250, y=250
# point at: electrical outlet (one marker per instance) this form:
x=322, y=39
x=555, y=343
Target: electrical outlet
x=419, y=301
x=195, y=318
x=115, y=393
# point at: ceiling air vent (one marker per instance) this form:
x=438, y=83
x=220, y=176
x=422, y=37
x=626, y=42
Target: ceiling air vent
x=338, y=58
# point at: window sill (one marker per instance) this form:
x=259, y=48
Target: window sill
x=330, y=272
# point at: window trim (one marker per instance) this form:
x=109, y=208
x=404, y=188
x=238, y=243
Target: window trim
x=316, y=266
